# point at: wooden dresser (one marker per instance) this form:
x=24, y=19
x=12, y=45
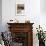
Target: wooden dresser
x=22, y=33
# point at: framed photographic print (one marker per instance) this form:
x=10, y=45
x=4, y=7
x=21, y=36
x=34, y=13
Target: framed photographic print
x=20, y=9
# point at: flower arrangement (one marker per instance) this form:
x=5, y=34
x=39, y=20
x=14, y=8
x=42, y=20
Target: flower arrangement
x=40, y=34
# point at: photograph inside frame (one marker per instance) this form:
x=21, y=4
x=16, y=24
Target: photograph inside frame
x=20, y=8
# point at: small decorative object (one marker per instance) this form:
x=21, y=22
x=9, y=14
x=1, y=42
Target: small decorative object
x=41, y=36
x=27, y=21
x=20, y=9
x=13, y=21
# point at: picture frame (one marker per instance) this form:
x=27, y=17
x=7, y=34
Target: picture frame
x=20, y=9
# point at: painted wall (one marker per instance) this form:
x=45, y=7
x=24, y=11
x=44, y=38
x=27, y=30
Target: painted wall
x=32, y=13
x=0, y=15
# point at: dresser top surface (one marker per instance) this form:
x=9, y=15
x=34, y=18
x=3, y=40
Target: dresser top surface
x=19, y=23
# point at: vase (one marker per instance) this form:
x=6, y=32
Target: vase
x=41, y=43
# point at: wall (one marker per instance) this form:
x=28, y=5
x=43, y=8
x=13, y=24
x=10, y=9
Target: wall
x=43, y=6
x=0, y=15
x=32, y=13
x=43, y=14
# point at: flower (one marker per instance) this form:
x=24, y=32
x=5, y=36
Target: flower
x=40, y=33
